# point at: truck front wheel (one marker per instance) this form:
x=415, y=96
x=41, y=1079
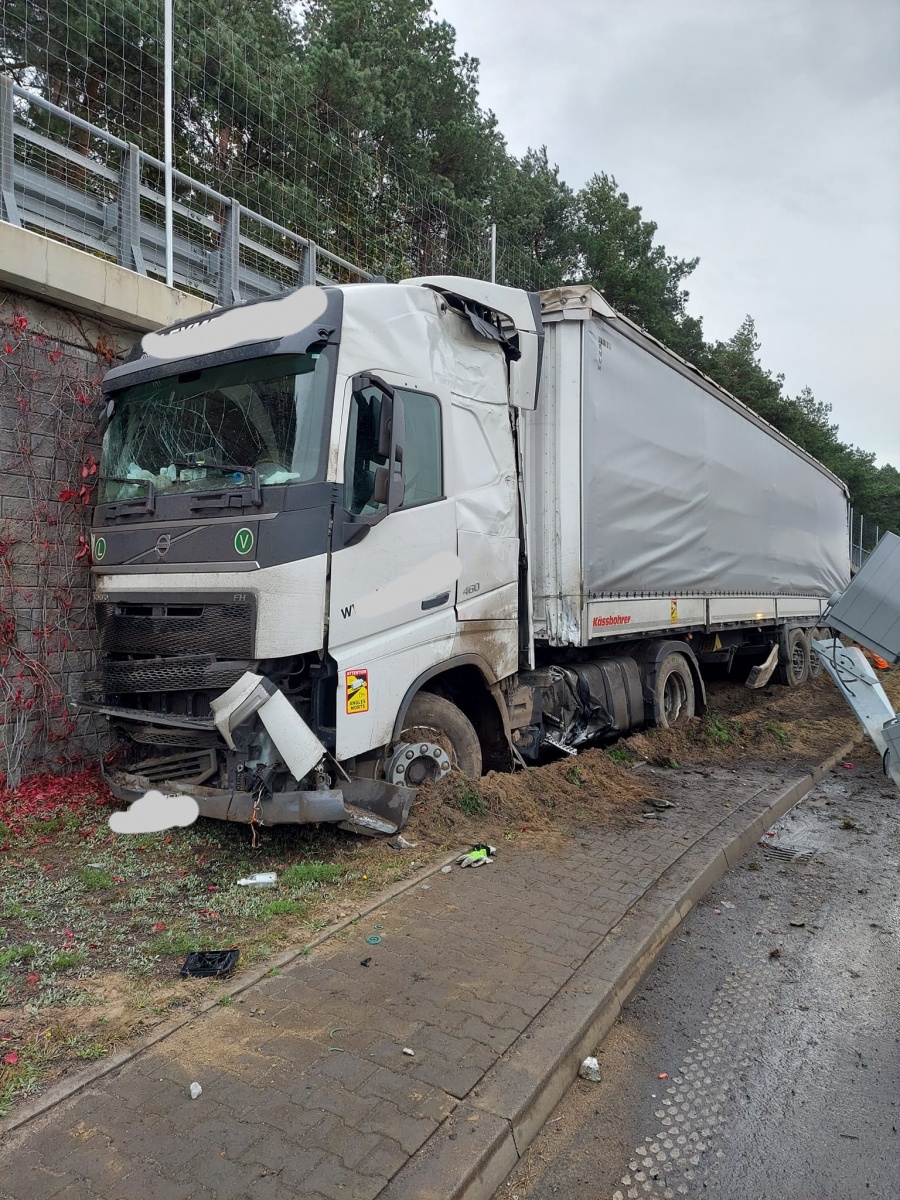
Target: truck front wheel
x=433, y=723
x=674, y=701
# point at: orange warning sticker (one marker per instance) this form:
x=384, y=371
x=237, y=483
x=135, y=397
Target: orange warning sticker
x=357, y=691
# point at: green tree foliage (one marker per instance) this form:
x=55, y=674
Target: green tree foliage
x=637, y=275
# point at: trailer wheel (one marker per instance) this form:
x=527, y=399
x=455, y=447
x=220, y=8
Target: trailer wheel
x=815, y=663
x=674, y=701
x=433, y=721
x=793, y=669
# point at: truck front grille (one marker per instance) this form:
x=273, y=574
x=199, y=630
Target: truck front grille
x=222, y=630
x=190, y=672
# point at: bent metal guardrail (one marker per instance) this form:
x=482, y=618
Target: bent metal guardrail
x=220, y=249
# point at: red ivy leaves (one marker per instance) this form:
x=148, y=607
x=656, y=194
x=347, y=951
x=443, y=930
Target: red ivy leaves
x=42, y=797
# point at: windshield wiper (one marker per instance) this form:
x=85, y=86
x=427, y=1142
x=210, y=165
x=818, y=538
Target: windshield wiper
x=227, y=497
x=142, y=504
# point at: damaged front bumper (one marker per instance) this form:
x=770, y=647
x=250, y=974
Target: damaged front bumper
x=360, y=805
x=363, y=805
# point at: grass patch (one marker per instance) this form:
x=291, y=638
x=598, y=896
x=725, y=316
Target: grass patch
x=718, y=732
x=15, y=954
x=226, y=1001
x=95, y=879
x=66, y=960
x=469, y=799
x=285, y=908
x=575, y=776
x=177, y=942
x=299, y=874
x=778, y=732
x=619, y=755
x=848, y=824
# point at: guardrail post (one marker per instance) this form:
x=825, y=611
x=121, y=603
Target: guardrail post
x=128, y=244
x=308, y=264
x=230, y=256
x=9, y=210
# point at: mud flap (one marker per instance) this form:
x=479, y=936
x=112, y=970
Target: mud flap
x=761, y=674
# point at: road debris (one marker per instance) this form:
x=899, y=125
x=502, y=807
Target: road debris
x=373, y=939
x=400, y=843
x=365, y=961
x=410, y=1053
x=446, y=870
x=479, y=856
x=210, y=964
x=260, y=879
x=196, y=1090
x=590, y=1070
x=663, y=1075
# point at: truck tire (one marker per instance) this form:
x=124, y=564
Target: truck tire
x=674, y=698
x=431, y=718
x=793, y=669
x=815, y=663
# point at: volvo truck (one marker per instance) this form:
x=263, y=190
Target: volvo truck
x=352, y=538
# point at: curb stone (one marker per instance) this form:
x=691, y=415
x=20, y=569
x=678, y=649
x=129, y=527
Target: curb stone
x=469, y=1155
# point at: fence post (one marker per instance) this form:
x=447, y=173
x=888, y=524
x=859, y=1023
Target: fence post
x=9, y=210
x=308, y=264
x=128, y=242
x=230, y=256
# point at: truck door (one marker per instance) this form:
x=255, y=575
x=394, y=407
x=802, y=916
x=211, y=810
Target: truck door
x=391, y=609
x=487, y=513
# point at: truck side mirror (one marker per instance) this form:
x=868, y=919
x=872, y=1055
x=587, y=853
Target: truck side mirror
x=390, y=487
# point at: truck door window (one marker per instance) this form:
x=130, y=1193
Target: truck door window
x=422, y=449
x=362, y=452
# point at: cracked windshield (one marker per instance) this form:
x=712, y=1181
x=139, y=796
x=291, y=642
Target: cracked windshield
x=185, y=433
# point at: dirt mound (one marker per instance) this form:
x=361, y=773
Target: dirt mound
x=776, y=724
x=591, y=788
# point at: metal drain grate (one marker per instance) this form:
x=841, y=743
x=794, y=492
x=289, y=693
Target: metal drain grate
x=787, y=853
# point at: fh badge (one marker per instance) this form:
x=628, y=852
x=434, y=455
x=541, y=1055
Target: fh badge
x=357, y=691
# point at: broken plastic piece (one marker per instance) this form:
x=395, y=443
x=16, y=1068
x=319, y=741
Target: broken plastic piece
x=196, y=1090
x=400, y=843
x=260, y=879
x=206, y=964
x=663, y=1075
x=365, y=962
x=411, y=1053
x=446, y=870
x=590, y=1070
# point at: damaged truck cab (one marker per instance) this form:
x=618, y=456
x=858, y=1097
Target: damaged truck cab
x=310, y=504
x=351, y=538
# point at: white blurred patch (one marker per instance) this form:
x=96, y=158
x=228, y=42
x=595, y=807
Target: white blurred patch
x=154, y=812
x=439, y=573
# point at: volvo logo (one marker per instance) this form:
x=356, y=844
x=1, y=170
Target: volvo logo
x=163, y=542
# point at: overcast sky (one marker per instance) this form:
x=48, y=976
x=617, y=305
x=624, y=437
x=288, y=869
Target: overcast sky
x=761, y=135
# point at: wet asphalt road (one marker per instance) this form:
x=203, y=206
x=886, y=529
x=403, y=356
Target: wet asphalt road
x=775, y=1014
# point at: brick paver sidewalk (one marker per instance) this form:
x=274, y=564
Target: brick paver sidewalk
x=307, y=1094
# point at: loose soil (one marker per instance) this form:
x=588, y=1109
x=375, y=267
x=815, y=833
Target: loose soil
x=96, y=925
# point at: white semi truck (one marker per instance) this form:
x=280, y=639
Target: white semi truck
x=353, y=537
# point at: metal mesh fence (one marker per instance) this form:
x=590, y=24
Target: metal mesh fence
x=246, y=130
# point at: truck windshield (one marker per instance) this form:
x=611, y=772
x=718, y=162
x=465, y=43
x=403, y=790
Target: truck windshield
x=176, y=432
